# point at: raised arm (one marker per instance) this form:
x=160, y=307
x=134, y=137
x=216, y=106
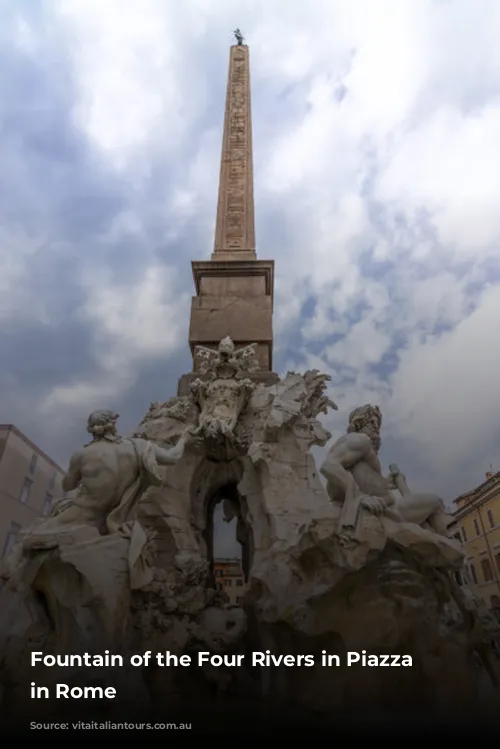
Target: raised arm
x=73, y=477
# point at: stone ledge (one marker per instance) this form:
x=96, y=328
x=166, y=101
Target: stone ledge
x=244, y=268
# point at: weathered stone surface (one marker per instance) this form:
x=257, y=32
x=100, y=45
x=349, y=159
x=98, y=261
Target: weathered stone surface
x=346, y=568
x=245, y=314
x=234, y=291
x=235, y=226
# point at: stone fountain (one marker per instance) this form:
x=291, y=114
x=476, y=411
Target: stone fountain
x=124, y=562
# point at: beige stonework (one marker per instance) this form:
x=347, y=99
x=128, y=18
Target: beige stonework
x=381, y=582
x=235, y=229
x=127, y=562
x=145, y=584
x=234, y=290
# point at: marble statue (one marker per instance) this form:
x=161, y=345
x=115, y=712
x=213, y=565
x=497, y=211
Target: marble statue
x=110, y=474
x=354, y=478
x=223, y=390
x=105, y=481
x=125, y=559
x=91, y=548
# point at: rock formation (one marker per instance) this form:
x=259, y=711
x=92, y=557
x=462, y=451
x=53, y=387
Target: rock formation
x=126, y=562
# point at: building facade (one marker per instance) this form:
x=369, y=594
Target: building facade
x=476, y=524
x=230, y=580
x=29, y=482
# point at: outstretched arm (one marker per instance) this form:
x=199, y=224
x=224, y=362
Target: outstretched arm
x=170, y=456
x=73, y=477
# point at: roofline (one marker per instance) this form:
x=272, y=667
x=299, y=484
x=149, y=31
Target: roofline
x=34, y=447
x=478, y=489
x=475, y=505
x=470, y=508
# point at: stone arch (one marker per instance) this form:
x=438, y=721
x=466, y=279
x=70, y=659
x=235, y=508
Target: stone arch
x=212, y=483
x=208, y=477
x=230, y=494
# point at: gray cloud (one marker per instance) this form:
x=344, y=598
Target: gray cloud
x=376, y=182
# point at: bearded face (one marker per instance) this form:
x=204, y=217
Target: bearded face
x=367, y=419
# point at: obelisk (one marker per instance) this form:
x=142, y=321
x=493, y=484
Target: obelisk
x=235, y=226
x=234, y=290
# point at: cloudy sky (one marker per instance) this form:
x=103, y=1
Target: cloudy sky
x=377, y=187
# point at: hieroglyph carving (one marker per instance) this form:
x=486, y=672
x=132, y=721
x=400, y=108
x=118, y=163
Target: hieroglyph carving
x=236, y=188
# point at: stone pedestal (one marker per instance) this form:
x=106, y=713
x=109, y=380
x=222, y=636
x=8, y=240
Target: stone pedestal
x=233, y=298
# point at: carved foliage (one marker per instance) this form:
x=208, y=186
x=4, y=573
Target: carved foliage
x=316, y=400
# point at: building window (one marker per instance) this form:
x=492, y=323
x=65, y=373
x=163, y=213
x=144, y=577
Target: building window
x=218, y=586
x=52, y=481
x=218, y=573
x=239, y=583
x=458, y=537
x=25, y=491
x=229, y=583
x=497, y=559
x=476, y=527
x=458, y=578
x=10, y=539
x=47, y=504
x=238, y=599
x=487, y=571
x=491, y=519
x=473, y=573
x=495, y=602
x=464, y=535
x=32, y=467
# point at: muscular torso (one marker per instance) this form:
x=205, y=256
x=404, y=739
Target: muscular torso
x=369, y=480
x=107, y=470
x=354, y=452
